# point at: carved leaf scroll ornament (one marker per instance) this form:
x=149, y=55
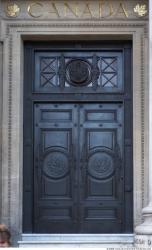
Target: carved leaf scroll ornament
x=140, y=10
x=55, y=165
x=12, y=10
x=103, y=163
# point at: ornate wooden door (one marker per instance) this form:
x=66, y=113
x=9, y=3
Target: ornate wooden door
x=101, y=168
x=78, y=139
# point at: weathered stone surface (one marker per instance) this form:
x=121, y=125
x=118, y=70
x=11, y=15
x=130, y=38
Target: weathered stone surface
x=25, y=26
x=144, y=231
x=1, y=98
x=68, y=9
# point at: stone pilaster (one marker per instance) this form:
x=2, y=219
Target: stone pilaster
x=0, y=126
x=144, y=231
x=1, y=60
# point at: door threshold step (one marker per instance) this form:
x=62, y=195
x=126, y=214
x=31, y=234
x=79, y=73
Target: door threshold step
x=103, y=240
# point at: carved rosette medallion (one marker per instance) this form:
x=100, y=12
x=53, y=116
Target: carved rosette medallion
x=55, y=165
x=78, y=72
x=101, y=165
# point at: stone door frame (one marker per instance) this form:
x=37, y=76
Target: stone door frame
x=13, y=35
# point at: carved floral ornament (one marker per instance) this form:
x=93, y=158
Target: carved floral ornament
x=77, y=9
x=141, y=10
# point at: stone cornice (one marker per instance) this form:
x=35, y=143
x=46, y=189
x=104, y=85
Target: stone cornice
x=7, y=26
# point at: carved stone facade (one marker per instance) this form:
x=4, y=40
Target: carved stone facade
x=124, y=20
x=1, y=98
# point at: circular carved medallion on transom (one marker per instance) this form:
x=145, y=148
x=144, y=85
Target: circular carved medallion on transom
x=78, y=72
x=101, y=165
x=56, y=165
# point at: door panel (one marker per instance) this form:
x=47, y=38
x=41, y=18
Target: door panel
x=78, y=164
x=78, y=167
x=54, y=171
x=102, y=147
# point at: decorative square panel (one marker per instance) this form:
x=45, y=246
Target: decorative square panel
x=48, y=71
x=99, y=71
x=109, y=77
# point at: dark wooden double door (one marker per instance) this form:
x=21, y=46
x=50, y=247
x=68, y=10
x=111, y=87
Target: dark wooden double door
x=77, y=139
